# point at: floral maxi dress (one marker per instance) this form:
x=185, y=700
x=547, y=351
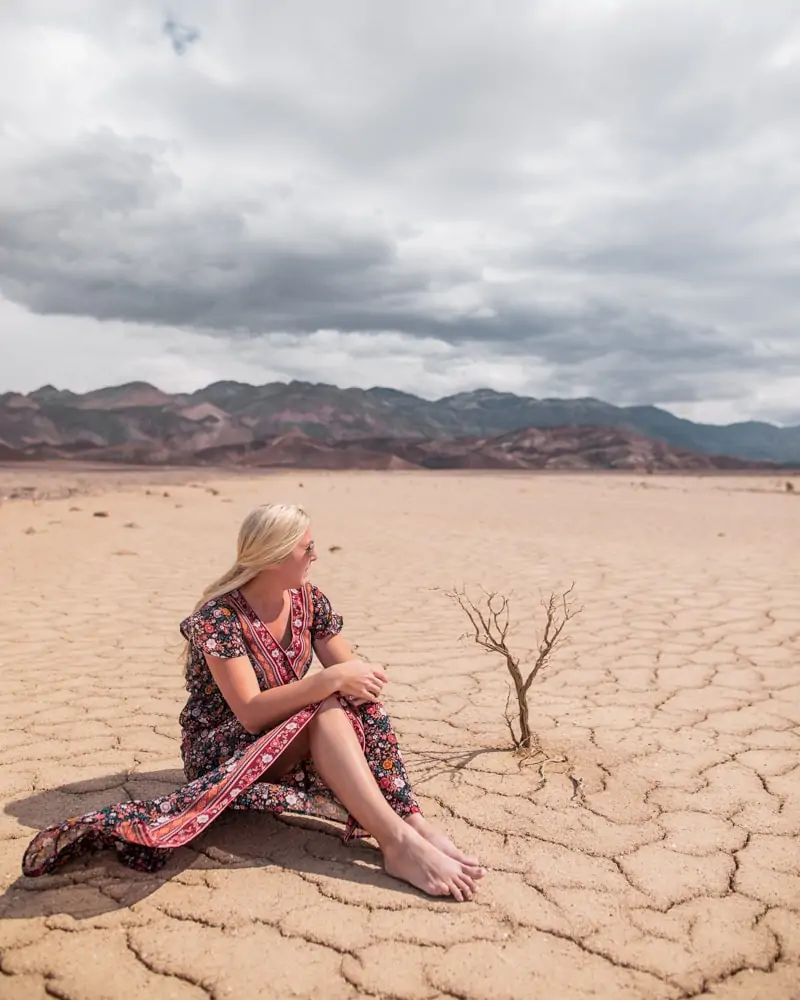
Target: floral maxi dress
x=223, y=762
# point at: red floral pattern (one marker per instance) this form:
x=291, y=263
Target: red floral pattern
x=222, y=761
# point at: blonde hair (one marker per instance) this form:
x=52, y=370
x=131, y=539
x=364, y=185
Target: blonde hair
x=267, y=536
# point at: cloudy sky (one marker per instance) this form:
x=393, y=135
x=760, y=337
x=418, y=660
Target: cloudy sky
x=551, y=197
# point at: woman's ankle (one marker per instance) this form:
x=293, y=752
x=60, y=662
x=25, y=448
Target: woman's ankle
x=397, y=836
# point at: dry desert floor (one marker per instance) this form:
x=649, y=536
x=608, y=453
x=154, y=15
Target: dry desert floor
x=651, y=851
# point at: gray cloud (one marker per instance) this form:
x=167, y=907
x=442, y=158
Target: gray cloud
x=604, y=191
x=181, y=36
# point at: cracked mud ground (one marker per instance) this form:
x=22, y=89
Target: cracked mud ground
x=655, y=853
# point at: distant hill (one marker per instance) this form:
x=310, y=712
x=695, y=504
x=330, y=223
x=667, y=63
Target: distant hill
x=307, y=425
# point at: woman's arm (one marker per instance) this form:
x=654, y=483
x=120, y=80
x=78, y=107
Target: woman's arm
x=259, y=710
x=333, y=649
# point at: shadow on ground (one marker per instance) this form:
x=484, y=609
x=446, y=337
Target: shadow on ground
x=98, y=883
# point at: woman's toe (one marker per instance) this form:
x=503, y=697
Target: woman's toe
x=467, y=891
x=456, y=891
x=465, y=879
x=473, y=871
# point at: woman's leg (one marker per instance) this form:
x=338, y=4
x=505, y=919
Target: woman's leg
x=388, y=768
x=340, y=761
x=297, y=751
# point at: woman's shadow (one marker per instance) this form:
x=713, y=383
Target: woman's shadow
x=99, y=883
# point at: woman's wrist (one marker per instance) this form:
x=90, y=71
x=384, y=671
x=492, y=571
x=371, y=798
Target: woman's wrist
x=329, y=678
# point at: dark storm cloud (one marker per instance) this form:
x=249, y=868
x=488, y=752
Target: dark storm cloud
x=98, y=228
x=95, y=229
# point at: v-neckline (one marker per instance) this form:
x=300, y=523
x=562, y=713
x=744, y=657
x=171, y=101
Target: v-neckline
x=289, y=630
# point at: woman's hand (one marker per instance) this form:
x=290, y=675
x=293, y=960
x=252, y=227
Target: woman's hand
x=357, y=681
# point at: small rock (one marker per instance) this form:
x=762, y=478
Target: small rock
x=100, y=513
x=30, y=531
x=334, y=548
x=73, y=509
x=166, y=494
x=131, y=524
x=212, y=491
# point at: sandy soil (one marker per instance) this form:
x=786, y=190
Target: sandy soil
x=652, y=852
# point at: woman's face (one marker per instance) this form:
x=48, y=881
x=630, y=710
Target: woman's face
x=299, y=561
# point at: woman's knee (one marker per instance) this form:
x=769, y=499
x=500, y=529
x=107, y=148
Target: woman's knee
x=330, y=704
x=328, y=719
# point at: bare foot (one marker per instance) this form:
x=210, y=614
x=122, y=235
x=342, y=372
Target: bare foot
x=412, y=859
x=444, y=844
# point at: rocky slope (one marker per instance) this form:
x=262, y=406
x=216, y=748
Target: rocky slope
x=306, y=425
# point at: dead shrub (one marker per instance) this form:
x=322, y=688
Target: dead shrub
x=491, y=625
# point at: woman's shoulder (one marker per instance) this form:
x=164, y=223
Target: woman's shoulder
x=324, y=620
x=315, y=597
x=218, y=612
x=214, y=628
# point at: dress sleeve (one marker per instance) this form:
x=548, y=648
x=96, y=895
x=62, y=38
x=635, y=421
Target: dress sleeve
x=215, y=630
x=326, y=623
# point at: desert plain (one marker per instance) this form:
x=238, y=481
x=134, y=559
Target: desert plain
x=651, y=850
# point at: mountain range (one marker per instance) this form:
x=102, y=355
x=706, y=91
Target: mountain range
x=321, y=426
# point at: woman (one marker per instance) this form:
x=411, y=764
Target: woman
x=261, y=733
